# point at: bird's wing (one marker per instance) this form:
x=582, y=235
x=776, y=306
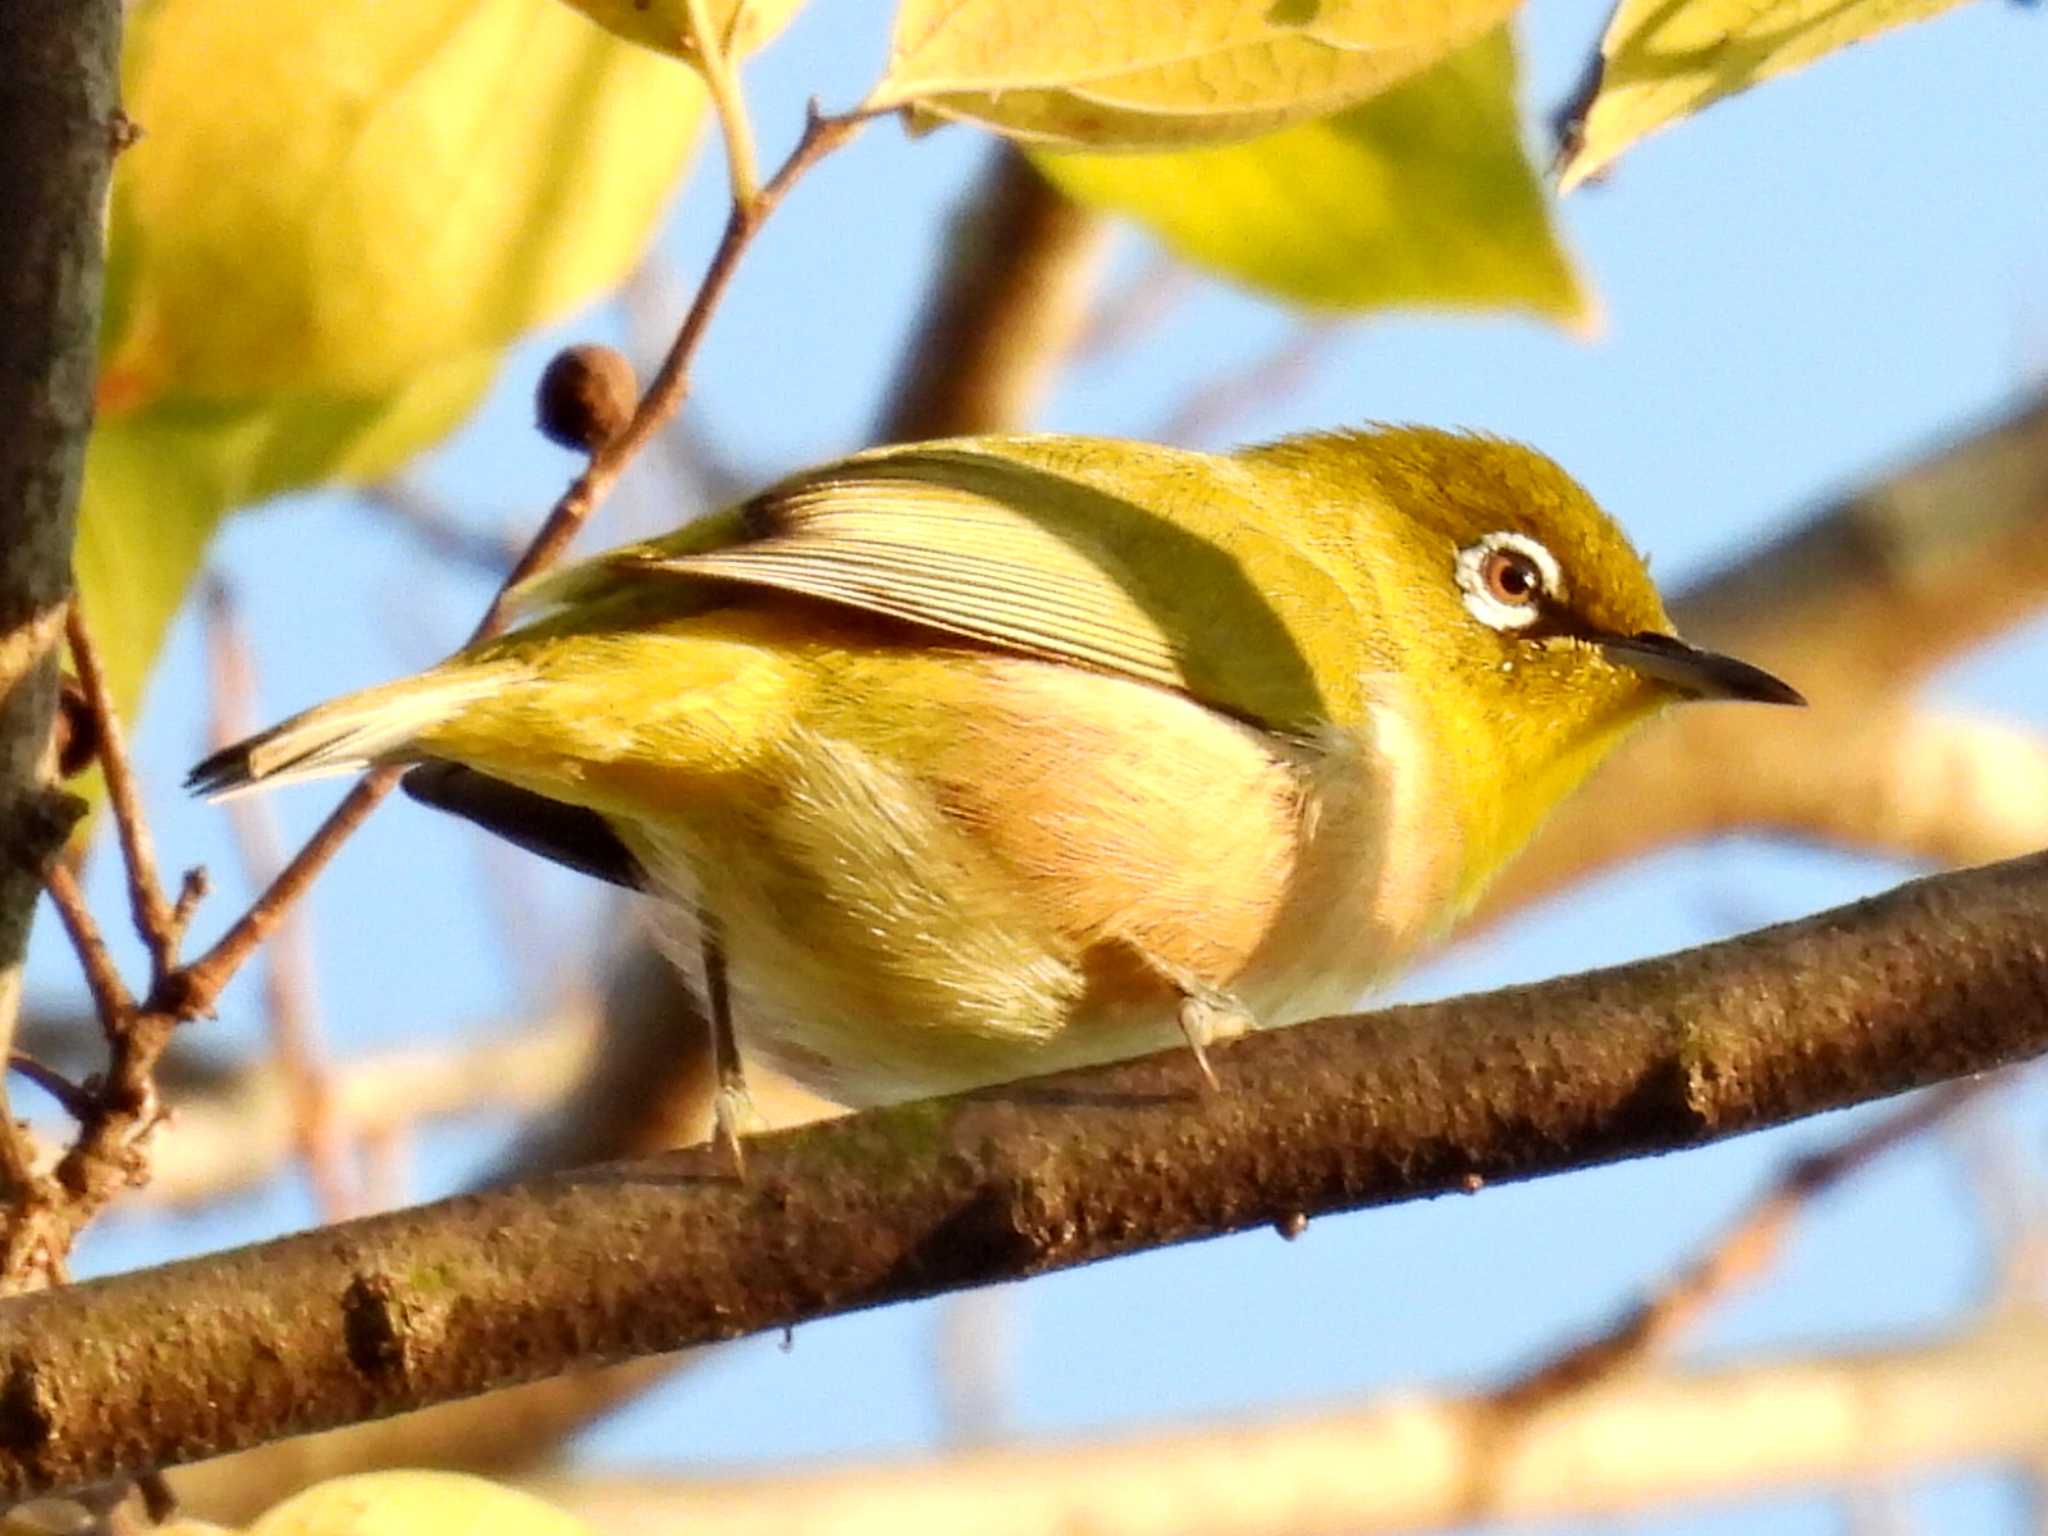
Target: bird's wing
x=1011, y=554
x=929, y=554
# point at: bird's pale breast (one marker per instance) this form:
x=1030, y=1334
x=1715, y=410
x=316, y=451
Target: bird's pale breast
x=963, y=868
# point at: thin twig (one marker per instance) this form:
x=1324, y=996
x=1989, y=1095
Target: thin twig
x=721, y=81
x=236, y=1130
x=110, y=1153
x=290, y=992
x=2010, y=1197
x=155, y=918
x=665, y=395
x=192, y=990
x=694, y=470
x=201, y=981
x=110, y=996
x=71, y=1098
x=192, y=890
x=1738, y=1255
x=1664, y=1441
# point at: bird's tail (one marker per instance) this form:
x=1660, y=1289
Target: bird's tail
x=348, y=734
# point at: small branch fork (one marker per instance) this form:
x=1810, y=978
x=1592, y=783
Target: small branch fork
x=118, y=1110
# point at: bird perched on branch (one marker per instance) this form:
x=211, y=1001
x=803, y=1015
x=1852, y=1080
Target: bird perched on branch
x=967, y=761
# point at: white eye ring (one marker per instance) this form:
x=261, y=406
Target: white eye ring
x=1477, y=563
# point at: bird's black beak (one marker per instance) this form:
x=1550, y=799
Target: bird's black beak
x=1699, y=674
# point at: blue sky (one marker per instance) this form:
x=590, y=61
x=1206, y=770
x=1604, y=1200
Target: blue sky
x=1802, y=287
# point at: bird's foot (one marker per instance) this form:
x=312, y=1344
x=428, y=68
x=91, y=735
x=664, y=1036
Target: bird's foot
x=732, y=1114
x=1207, y=1015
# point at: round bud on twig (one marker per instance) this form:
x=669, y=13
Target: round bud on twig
x=586, y=397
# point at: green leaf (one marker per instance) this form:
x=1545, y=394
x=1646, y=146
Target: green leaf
x=338, y=216
x=1422, y=196
x=1662, y=60
x=1130, y=74
x=330, y=197
x=159, y=480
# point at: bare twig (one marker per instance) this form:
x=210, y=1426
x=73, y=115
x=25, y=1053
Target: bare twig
x=1132, y=311
x=110, y=995
x=111, y=1150
x=201, y=980
x=198, y=983
x=290, y=985
x=153, y=913
x=74, y=1100
x=2010, y=1198
x=695, y=471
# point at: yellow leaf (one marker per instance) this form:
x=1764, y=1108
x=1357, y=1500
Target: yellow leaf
x=341, y=212
x=1666, y=59
x=664, y=25
x=159, y=480
x=1134, y=74
x=330, y=197
x=416, y=1503
x=1422, y=196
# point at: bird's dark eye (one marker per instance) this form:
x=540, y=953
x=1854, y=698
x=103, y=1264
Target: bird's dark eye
x=1511, y=577
x=1508, y=579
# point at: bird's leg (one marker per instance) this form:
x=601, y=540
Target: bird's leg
x=1207, y=1015
x=730, y=1106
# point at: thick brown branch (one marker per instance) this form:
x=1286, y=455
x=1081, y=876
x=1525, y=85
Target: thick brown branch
x=1934, y=980
x=58, y=98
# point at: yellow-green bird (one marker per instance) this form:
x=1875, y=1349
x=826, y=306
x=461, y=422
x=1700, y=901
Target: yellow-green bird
x=971, y=760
